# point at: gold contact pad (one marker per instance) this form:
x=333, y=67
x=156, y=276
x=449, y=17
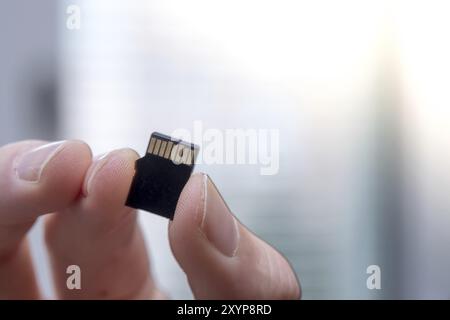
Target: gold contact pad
x=179, y=153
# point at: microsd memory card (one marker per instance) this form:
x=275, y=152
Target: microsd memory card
x=161, y=175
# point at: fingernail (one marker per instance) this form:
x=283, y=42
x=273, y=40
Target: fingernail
x=218, y=223
x=98, y=163
x=29, y=166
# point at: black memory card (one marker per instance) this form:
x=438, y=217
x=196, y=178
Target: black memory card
x=161, y=175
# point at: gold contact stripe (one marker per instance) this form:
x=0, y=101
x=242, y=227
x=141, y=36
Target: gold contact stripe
x=168, y=150
x=174, y=153
x=188, y=158
x=162, y=149
x=152, y=144
x=186, y=155
x=182, y=154
x=158, y=144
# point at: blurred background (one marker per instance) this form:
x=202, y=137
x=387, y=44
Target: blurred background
x=359, y=91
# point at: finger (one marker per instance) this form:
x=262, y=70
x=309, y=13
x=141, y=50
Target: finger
x=17, y=279
x=35, y=178
x=102, y=236
x=221, y=258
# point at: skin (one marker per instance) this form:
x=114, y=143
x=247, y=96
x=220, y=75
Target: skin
x=87, y=224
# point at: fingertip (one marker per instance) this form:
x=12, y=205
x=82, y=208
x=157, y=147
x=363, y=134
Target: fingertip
x=191, y=199
x=68, y=166
x=190, y=206
x=108, y=179
x=185, y=238
x=221, y=257
x=63, y=176
x=40, y=177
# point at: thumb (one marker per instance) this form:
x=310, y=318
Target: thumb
x=222, y=258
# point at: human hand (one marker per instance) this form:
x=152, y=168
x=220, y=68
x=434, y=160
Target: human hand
x=88, y=225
